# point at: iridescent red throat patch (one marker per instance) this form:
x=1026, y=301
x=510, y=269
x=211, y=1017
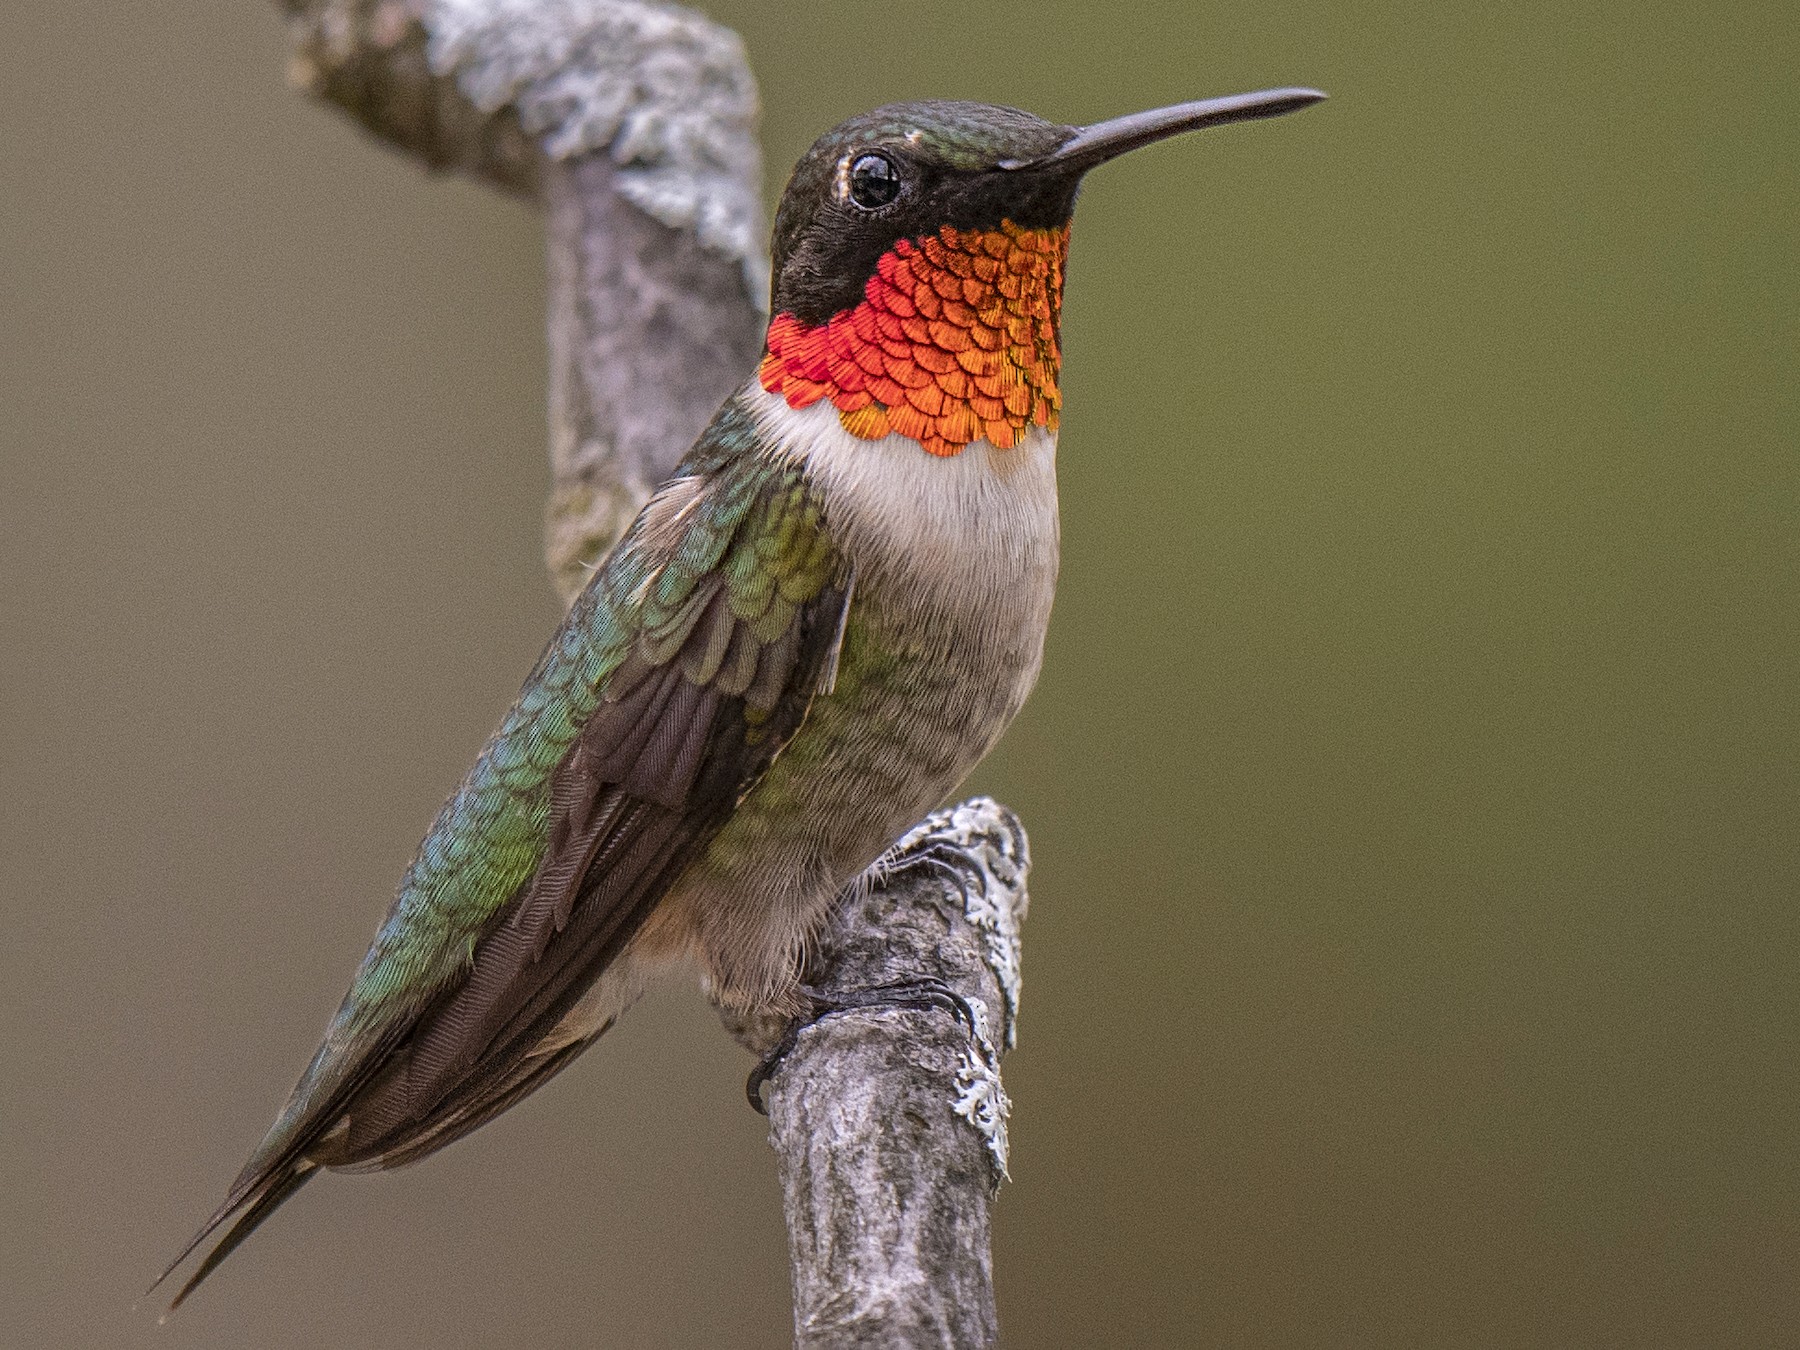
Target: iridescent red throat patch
x=955, y=340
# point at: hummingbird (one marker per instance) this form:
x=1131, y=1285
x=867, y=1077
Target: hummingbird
x=806, y=640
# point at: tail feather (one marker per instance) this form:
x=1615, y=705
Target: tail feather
x=250, y=1208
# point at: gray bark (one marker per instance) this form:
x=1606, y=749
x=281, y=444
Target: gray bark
x=633, y=124
x=650, y=331
x=889, y=1127
x=369, y=57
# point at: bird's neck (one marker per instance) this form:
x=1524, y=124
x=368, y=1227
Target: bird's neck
x=956, y=534
x=955, y=342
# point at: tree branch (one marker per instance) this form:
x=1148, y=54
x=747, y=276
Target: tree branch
x=889, y=1127
x=650, y=331
x=634, y=125
x=369, y=58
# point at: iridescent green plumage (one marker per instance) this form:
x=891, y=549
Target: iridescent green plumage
x=761, y=532
x=676, y=677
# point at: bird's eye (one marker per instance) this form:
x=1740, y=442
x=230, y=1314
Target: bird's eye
x=874, y=181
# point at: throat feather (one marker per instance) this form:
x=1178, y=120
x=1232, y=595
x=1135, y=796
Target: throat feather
x=955, y=341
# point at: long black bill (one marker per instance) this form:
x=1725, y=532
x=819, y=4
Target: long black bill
x=1105, y=140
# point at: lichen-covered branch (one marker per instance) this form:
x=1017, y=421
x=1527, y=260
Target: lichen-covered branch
x=650, y=331
x=370, y=58
x=890, y=1125
x=633, y=124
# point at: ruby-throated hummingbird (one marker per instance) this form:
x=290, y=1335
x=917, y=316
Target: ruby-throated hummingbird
x=808, y=638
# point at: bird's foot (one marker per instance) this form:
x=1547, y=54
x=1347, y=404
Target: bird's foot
x=944, y=859
x=924, y=995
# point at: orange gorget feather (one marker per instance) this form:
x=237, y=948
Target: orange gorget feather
x=955, y=340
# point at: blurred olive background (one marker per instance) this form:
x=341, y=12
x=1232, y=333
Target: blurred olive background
x=1412, y=781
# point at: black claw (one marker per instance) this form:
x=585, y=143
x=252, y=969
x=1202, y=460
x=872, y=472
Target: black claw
x=925, y=995
x=766, y=1067
x=946, y=860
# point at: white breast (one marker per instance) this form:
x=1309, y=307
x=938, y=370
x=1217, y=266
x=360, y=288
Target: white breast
x=976, y=533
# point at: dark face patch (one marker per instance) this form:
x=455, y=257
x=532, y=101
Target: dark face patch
x=904, y=172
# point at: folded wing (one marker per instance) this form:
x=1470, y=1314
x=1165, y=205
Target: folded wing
x=674, y=682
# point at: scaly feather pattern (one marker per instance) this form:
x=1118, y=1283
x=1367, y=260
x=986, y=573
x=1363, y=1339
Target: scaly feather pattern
x=955, y=341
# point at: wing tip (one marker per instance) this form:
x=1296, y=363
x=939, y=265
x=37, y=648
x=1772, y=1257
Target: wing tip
x=251, y=1205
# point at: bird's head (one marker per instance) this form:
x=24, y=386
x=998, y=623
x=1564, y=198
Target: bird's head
x=918, y=262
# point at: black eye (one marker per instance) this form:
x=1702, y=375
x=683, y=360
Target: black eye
x=874, y=181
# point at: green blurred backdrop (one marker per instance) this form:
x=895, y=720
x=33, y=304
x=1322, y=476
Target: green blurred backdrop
x=1412, y=781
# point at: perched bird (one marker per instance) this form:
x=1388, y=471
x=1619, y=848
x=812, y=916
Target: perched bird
x=809, y=637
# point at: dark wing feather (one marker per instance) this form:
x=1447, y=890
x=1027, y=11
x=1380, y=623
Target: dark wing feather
x=732, y=636
x=526, y=1077
x=655, y=773
x=270, y=1193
